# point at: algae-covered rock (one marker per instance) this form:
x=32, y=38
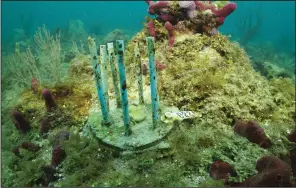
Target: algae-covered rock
x=212, y=76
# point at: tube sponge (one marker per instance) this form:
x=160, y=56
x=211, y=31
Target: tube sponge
x=20, y=122
x=253, y=132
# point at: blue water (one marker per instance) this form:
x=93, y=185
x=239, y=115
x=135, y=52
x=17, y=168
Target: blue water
x=279, y=18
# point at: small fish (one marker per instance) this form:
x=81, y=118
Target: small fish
x=169, y=117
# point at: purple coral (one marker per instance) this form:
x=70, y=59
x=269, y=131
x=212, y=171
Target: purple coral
x=151, y=29
x=222, y=12
x=49, y=101
x=187, y=15
x=225, y=11
x=20, y=122
x=154, y=6
x=170, y=29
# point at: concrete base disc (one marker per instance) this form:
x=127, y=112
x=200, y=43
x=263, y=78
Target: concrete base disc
x=142, y=134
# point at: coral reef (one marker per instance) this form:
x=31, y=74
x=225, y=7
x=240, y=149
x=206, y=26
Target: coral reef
x=200, y=70
x=216, y=80
x=196, y=16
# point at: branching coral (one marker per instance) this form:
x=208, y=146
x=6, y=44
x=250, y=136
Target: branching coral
x=22, y=66
x=45, y=67
x=49, y=54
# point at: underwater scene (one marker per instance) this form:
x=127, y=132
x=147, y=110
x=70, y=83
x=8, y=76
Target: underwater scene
x=148, y=93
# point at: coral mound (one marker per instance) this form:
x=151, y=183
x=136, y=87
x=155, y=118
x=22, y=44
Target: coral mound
x=213, y=76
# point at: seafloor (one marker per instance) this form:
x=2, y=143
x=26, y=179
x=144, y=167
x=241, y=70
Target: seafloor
x=243, y=112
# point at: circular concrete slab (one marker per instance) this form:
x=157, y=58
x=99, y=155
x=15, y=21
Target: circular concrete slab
x=143, y=135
